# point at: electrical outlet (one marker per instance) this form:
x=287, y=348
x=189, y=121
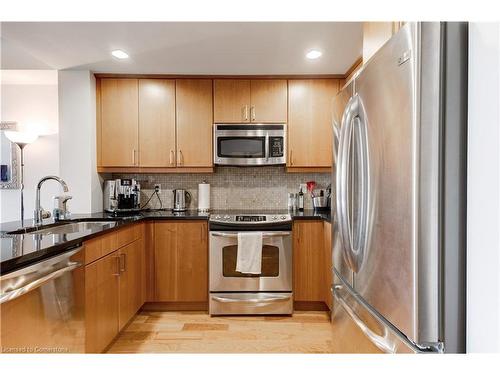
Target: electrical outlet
x=158, y=188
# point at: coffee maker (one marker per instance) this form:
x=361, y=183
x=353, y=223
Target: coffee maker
x=122, y=196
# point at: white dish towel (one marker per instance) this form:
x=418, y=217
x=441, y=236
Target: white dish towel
x=249, y=255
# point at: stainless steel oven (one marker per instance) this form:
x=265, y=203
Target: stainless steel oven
x=244, y=144
x=233, y=292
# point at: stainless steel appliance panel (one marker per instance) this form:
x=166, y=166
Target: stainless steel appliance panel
x=42, y=306
x=386, y=104
x=250, y=145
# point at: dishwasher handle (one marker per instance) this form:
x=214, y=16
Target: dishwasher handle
x=16, y=293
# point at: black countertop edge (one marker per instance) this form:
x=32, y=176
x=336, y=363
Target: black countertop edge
x=33, y=257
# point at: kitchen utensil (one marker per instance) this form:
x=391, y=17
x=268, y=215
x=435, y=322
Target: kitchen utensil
x=292, y=202
x=320, y=203
x=310, y=187
x=182, y=199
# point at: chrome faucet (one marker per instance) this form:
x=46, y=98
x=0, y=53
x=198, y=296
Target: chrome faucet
x=40, y=214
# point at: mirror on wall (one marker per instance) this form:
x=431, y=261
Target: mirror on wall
x=9, y=158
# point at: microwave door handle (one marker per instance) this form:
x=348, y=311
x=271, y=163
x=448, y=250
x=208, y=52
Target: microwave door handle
x=266, y=146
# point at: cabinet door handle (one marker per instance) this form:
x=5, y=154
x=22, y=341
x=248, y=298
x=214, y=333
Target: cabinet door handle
x=181, y=158
x=291, y=157
x=245, y=112
x=117, y=258
x=171, y=157
x=203, y=233
x=252, y=112
x=133, y=157
x=122, y=262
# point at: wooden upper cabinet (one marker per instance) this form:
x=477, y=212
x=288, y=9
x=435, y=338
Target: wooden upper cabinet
x=309, y=122
x=119, y=122
x=250, y=101
x=268, y=100
x=231, y=100
x=156, y=123
x=375, y=34
x=194, y=122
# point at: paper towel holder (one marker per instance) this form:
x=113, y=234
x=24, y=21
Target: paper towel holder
x=203, y=209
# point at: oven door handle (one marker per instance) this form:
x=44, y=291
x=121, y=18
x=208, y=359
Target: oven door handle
x=264, y=234
x=271, y=298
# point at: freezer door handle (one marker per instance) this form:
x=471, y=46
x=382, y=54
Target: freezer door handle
x=393, y=340
x=379, y=341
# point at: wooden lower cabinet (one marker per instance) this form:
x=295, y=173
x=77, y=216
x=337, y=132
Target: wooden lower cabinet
x=132, y=280
x=181, y=261
x=312, y=265
x=101, y=302
x=308, y=260
x=114, y=286
x=328, y=269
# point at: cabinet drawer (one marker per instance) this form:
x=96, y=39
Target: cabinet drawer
x=128, y=235
x=101, y=246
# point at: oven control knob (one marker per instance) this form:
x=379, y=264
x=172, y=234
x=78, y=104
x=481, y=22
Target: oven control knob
x=217, y=217
x=274, y=218
x=283, y=218
x=227, y=217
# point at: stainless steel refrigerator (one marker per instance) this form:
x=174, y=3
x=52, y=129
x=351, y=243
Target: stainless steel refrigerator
x=399, y=196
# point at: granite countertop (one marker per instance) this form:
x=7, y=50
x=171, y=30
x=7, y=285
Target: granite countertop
x=23, y=249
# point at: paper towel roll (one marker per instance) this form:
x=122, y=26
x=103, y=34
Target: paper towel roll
x=203, y=197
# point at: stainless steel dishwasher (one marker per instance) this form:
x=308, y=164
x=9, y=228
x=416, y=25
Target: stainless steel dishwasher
x=42, y=306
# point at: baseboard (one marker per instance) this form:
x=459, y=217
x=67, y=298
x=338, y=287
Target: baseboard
x=310, y=306
x=175, y=306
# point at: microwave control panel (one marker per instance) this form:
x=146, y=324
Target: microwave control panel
x=276, y=147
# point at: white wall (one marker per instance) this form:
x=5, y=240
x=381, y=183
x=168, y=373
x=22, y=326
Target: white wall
x=32, y=102
x=483, y=204
x=77, y=148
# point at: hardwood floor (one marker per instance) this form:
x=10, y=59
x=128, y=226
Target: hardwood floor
x=197, y=332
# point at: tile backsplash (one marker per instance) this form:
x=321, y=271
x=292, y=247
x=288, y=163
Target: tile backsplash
x=231, y=187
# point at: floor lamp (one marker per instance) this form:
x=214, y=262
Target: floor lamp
x=21, y=139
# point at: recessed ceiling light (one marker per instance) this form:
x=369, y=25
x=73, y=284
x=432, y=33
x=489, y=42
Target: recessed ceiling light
x=119, y=54
x=313, y=54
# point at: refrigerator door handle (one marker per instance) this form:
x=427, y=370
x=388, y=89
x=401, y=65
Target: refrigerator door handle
x=346, y=137
x=361, y=133
x=341, y=181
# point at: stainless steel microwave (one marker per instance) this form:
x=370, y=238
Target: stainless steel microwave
x=249, y=144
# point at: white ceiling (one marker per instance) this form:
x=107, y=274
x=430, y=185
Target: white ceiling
x=182, y=47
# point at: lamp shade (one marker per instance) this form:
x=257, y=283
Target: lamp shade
x=21, y=137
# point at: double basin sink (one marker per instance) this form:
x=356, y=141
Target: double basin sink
x=65, y=227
